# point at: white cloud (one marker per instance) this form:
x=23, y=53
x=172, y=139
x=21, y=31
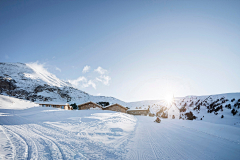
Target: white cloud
x=76, y=82
x=104, y=79
x=100, y=70
x=91, y=83
x=86, y=69
x=82, y=82
x=58, y=69
x=98, y=79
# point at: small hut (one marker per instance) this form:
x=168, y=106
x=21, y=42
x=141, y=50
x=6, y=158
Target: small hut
x=116, y=107
x=57, y=105
x=89, y=106
x=140, y=112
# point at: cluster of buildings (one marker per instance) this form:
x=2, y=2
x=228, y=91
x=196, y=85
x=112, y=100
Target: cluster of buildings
x=173, y=111
x=88, y=106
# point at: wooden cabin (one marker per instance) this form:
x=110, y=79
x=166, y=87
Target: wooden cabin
x=116, y=107
x=62, y=106
x=140, y=112
x=89, y=106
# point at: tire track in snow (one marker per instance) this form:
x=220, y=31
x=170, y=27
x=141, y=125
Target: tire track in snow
x=46, y=138
x=13, y=147
x=19, y=154
x=27, y=135
x=162, y=141
x=92, y=149
x=203, y=141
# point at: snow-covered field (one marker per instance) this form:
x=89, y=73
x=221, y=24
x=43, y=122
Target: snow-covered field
x=29, y=132
x=50, y=133
x=182, y=139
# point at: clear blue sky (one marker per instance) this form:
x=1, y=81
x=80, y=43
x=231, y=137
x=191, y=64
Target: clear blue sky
x=149, y=48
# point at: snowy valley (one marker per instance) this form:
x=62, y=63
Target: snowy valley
x=209, y=127
x=31, y=132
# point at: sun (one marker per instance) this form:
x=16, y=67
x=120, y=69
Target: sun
x=169, y=99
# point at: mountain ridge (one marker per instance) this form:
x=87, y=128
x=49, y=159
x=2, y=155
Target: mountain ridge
x=32, y=82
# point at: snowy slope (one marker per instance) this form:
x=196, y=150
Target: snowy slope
x=209, y=108
x=33, y=82
x=28, y=76
x=51, y=133
x=7, y=102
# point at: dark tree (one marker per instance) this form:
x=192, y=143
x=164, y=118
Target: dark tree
x=183, y=109
x=234, y=112
x=233, y=100
x=74, y=105
x=104, y=104
x=190, y=116
x=222, y=116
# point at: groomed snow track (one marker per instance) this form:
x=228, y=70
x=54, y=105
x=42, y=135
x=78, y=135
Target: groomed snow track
x=171, y=139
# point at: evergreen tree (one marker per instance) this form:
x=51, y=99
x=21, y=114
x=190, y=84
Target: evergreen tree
x=74, y=105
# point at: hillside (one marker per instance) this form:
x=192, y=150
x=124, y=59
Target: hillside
x=33, y=82
x=29, y=132
x=220, y=108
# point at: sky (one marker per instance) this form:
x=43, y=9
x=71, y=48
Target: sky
x=130, y=50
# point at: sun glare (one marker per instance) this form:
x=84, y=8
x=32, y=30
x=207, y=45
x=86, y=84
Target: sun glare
x=169, y=99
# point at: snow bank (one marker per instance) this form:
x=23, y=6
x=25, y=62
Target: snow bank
x=15, y=103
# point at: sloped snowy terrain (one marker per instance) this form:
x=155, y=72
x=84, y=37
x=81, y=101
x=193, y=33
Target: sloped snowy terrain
x=50, y=133
x=33, y=82
x=220, y=108
x=30, y=132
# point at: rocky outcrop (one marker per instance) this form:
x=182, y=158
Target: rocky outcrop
x=8, y=86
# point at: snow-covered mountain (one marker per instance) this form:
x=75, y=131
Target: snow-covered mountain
x=220, y=108
x=33, y=82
